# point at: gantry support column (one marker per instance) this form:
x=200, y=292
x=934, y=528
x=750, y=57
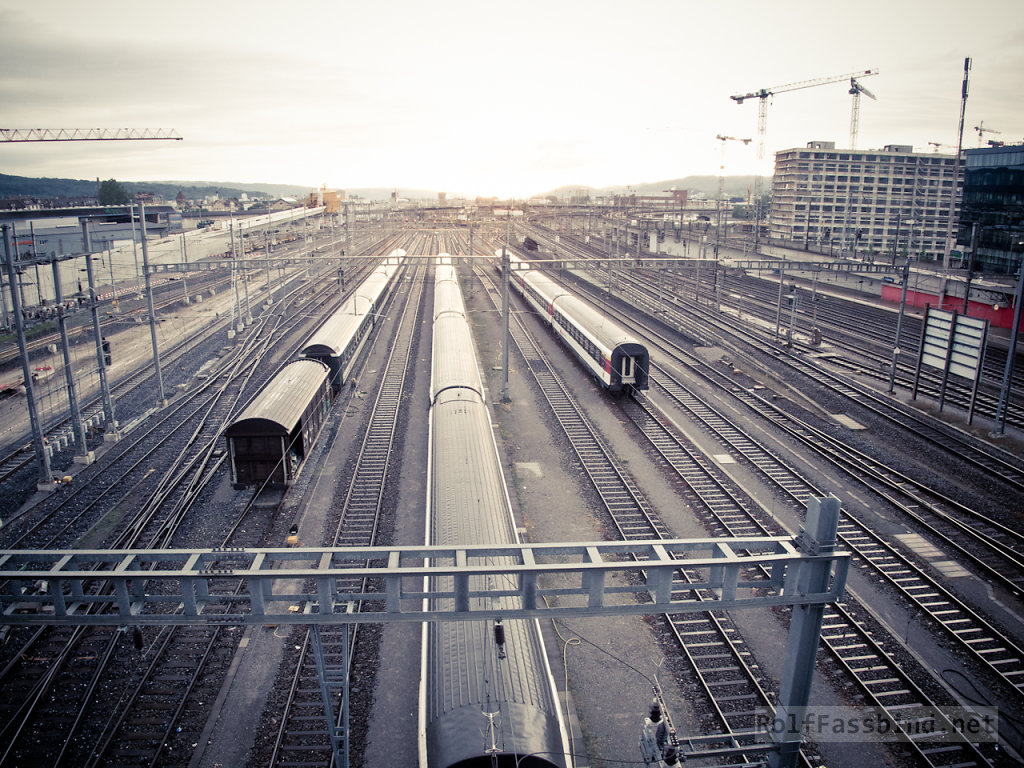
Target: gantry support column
x=818, y=537
x=333, y=674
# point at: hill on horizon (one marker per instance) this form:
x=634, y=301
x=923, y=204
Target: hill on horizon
x=735, y=186
x=75, y=189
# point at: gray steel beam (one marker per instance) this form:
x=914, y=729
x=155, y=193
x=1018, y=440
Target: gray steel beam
x=168, y=587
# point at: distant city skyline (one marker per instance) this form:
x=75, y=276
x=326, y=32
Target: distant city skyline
x=484, y=99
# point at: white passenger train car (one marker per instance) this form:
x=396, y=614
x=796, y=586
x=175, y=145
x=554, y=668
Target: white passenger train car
x=466, y=673
x=338, y=341
x=615, y=358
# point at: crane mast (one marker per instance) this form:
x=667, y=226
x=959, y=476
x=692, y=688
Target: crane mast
x=721, y=194
x=856, y=89
x=721, y=166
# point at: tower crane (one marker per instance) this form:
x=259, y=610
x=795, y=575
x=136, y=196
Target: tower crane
x=87, y=134
x=856, y=89
x=721, y=188
x=982, y=130
x=721, y=166
x=762, y=122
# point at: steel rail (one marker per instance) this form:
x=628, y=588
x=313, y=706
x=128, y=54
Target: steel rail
x=966, y=627
x=235, y=368
x=731, y=687
x=880, y=677
x=357, y=526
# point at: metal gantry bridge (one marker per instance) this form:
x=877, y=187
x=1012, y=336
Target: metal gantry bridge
x=434, y=583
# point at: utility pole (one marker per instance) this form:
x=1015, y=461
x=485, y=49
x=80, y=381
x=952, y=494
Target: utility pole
x=266, y=248
x=82, y=453
x=45, y=481
x=3, y=300
x=248, y=307
x=162, y=400
x=778, y=308
x=236, y=270
x=970, y=265
x=94, y=305
x=39, y=282
x=1011, y=355
x=505, y=276
x=135, y=251
x=792, y=314
x=822, y=522
x=956, y=181
x=113, y=285
x=231, y=307
x=899, y=326
x=184, y=274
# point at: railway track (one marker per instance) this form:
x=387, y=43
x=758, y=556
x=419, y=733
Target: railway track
x=302, y=739
x=884, y=680
x=868, y=336
x=880, y=675
x=972, y=632
x=966, y=628
x=144, y=712
x=129, y=472
x=60, y=434
x=151, y=697
x=865, y=363
x=995, y=547
x=720, y=661
x=643, y=292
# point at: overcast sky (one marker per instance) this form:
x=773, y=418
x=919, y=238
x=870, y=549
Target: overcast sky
x=476, y=97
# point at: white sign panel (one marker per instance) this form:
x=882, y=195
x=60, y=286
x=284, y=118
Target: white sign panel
x=957, y=336
x=938, y=326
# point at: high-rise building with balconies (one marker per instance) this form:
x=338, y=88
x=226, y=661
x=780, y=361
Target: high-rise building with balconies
x=875, y=203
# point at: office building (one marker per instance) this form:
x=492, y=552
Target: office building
x=868, y=203
x=993, y=209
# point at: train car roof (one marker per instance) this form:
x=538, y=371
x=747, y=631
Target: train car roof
x=603, y=327
x=279, y=406
x=597, y=321
x=331, y=337
x=454, y=359
x=548, y=287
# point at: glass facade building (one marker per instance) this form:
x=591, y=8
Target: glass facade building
x=993, y=208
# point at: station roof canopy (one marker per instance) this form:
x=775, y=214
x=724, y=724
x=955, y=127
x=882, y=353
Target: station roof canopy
x=279, y=407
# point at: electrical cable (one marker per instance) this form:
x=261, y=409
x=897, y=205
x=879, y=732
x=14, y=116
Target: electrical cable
x=1016, y=723
x=565, y=667
x=605, y=651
